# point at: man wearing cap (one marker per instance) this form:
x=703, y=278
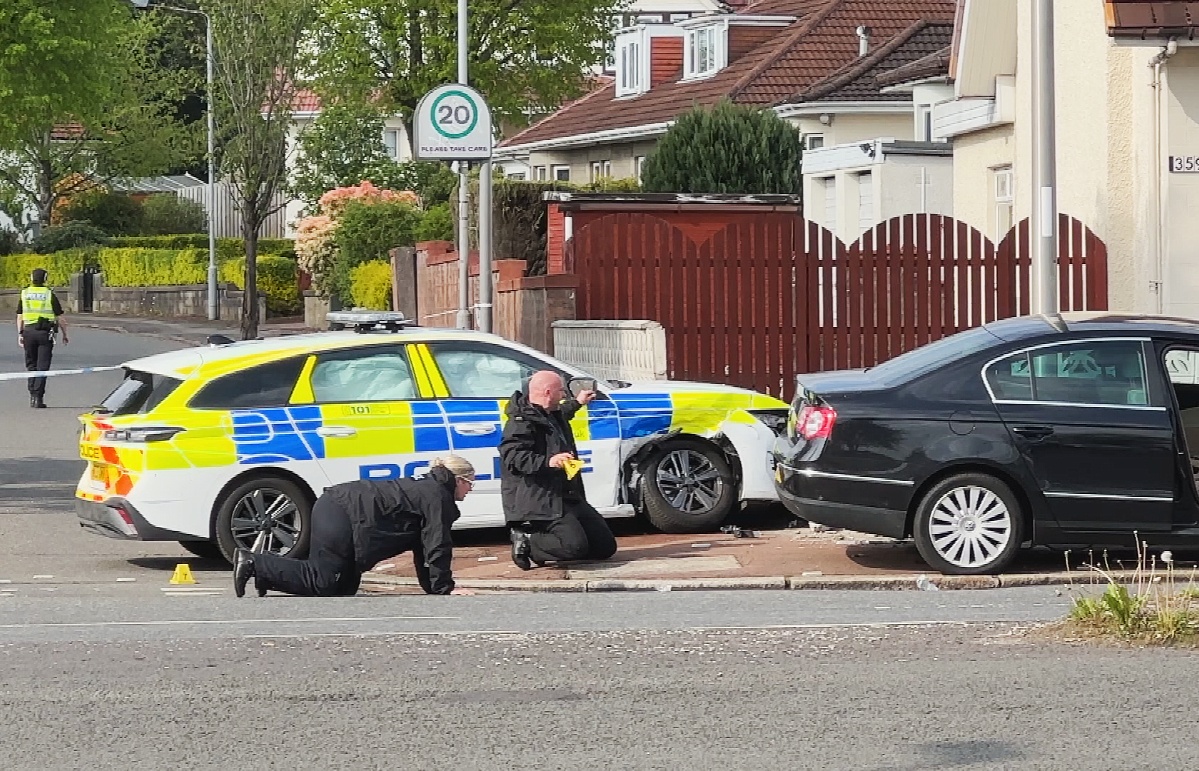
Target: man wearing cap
x=355, y=525
x=39, y=317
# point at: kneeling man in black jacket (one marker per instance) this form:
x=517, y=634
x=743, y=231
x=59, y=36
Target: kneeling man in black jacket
x=547, y=510
x=356, y=525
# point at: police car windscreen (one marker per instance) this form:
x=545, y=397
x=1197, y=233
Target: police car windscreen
x=138, y=392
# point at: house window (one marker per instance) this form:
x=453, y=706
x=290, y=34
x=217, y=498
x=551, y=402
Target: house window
x=516, y=175
x=541, y=172
x=391, y=140
x=813, y=141
x=638, y=166
x=562, y=173
x=629, y=69
x=600, y=170
x=866, y=218
x=924, y=123
x=830, y=202
x=1002, y=184
x=702, y=52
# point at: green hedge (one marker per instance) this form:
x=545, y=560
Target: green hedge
x=226, y=248
x=370, y=285
x=16, y=268
x=131, y=266
x=278, y=281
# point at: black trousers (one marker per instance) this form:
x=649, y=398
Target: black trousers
x=582, y=534
x=39, y=349
x=330, y=569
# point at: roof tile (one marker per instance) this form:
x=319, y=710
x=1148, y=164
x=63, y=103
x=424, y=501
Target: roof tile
x=820, y=43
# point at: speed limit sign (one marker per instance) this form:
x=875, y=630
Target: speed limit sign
x=453, y=122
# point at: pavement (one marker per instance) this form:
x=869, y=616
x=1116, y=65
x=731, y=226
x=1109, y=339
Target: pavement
x=772, y=557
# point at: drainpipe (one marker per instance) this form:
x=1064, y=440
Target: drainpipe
x=1159, y=229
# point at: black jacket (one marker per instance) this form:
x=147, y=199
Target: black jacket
x=529, y=488
x=397, y=515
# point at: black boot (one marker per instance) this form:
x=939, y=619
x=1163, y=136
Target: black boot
x=39, y=403
x=520, y=549
x=32, y=400
x=243, y=571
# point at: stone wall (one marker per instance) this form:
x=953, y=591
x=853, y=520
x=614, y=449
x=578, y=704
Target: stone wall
x=66, y=295
x=170, y=301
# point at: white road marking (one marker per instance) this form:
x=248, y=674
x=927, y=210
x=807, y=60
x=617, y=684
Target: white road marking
x=125, y=580
x=40, y=577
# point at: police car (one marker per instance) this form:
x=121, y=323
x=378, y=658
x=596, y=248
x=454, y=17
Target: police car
x=229, y=444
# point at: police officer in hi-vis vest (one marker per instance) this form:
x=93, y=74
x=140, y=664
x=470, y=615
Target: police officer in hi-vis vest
x=39, y=317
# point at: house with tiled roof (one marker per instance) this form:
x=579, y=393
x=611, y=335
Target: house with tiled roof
x=765, y=54
x=1127, y=134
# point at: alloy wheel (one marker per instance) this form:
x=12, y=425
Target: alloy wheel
x=689, y=482
x=267, y=518
x=970, y=526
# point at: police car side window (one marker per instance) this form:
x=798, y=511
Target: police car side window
x=485, y=371
x=266, y=385
x=363, y=376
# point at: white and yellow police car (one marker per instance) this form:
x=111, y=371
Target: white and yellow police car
x=230, y=444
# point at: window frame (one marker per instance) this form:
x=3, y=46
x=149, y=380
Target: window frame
x=559, y=167
x=299, y=360
x=700, y=63
x=1152, y=398
x=487, y=348
x=400, y=349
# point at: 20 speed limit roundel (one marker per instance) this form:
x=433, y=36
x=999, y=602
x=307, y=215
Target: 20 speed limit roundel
x=455, y=114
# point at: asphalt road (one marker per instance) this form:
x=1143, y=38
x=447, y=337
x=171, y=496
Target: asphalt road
x=104, y=665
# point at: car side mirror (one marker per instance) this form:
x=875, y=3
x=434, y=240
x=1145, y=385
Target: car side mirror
x=576, y=385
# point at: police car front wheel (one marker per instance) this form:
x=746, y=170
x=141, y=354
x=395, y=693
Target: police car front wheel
x=272, y=513
x=687, y=487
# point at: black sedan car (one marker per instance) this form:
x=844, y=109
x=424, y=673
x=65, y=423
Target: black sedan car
x=1072, y=431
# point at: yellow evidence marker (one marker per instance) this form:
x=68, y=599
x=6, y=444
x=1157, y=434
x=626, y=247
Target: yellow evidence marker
x=572, y=467
x=183, y=574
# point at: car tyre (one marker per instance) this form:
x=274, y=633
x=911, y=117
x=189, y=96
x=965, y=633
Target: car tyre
x=687, y=486
x=245, y=507
x=969, y=524
x=206, y=550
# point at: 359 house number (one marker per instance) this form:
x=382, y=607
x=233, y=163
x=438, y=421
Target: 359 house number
x=1184, y=164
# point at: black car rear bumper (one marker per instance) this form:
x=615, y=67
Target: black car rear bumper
x=861, y=519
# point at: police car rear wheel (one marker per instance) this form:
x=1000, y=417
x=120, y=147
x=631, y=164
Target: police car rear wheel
x=687, y=487
x=271, y=508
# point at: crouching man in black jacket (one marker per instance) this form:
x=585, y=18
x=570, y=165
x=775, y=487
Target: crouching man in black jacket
x=547, y=511
x=356, y=525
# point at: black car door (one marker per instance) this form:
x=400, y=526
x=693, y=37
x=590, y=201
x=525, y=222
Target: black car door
x=1099, y=443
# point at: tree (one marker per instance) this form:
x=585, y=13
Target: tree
x=258, y=50
x=726, y=149
x=523, y=55
x=81, y=101
x=342, y=147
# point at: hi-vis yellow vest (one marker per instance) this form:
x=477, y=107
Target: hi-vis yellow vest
x=37, y=302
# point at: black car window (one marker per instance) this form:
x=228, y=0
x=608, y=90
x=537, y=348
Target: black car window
x=926, y=358
x=371, y=375
x=1109, y=372
x=266, y=385
x=483, y=370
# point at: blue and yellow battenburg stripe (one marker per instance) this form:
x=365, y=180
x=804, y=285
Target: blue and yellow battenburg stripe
x=440, y=425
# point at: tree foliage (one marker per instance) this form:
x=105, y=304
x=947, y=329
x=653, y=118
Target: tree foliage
x=530, y=54
x=258, y=51
x=726, y=149
x=82, y=99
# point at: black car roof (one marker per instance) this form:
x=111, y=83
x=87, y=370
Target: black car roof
x=1093, y=322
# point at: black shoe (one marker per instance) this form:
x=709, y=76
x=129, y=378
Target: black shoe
x=243, y=571
x=520, y=549
x=41, y=405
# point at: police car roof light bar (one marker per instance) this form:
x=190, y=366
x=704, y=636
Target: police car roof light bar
x=362, y=320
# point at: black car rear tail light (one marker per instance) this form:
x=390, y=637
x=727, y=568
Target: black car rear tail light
x=815, y=421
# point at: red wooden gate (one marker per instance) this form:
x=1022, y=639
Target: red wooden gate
x=753, y=299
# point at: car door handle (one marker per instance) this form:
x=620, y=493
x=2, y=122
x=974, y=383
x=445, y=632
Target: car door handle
x=334, y=431
x=475, y=429
x=1033, y=433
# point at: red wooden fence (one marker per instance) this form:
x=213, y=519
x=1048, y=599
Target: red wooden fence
x=752, y=300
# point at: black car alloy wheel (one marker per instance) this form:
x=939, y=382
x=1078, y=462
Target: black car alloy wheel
x=969, y=524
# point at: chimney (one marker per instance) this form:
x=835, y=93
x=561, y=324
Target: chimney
x=863, y=40
x=665, y=59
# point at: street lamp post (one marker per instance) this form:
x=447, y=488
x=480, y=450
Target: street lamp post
x=1044, y=235
x=210, y=188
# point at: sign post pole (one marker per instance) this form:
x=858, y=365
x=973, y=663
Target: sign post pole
x=463, y=190
x=1043, y=223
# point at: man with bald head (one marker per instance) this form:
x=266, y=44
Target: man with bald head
x=547, y=511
